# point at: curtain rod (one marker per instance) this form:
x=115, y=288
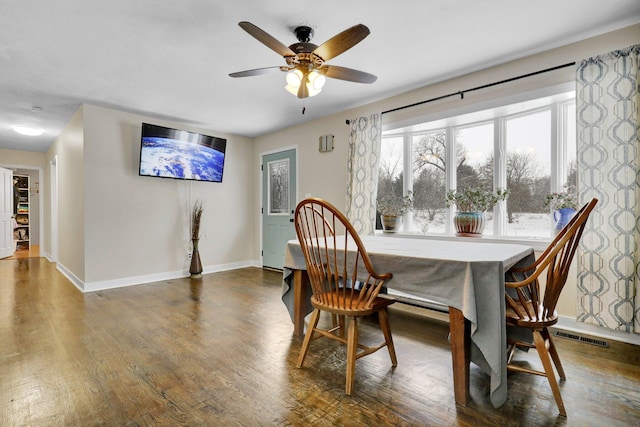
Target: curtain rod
x=462, y=92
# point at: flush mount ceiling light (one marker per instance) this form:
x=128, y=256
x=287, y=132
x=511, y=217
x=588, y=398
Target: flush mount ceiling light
x=306, y=68
x=27, y=130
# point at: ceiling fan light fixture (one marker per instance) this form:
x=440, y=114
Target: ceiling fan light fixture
x=294, y=78
x=315, y=82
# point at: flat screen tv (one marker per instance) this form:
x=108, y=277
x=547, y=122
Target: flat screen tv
x=173, y=153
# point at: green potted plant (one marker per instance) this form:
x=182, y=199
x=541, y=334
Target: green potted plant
x=391, y=207
x=471, y=204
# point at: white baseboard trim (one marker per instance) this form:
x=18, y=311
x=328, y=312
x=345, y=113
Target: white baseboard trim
x=570, y=324
x=132, y=281
x=69, y=275
x=169, y=275
x=230, y=266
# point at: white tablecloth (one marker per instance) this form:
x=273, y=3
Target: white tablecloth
x=465, y=274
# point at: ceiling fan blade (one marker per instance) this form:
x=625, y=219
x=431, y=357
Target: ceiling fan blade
x=254, y=72
x=342, y=42
x=266, y=39
x=349, y=74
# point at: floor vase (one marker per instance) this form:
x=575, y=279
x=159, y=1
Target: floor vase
x=195, y=269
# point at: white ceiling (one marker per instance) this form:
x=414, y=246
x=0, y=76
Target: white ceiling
x=171, y=59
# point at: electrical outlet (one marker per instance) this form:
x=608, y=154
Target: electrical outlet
x=188, y=255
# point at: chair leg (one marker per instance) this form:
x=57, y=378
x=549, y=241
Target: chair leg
x=383, y=318
x=334, y=320
x=554, y=353
x=539, y=341
x=510, y=352
x=352, y=346
x=313, y=322
x=341, y=323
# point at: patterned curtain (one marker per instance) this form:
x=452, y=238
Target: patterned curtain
x=608, y=168
x=362, y=169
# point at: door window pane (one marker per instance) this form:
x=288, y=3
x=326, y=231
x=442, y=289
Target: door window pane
x=278, y=177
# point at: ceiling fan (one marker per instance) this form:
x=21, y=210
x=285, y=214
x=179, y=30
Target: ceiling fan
x=306, y=69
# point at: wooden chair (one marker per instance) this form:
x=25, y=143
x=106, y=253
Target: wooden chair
x=527, y=308
x=345, y=286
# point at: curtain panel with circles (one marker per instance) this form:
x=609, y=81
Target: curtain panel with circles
x=365, y=136
x=608, y=165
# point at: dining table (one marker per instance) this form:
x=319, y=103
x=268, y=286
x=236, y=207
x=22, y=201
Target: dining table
x=466, y=275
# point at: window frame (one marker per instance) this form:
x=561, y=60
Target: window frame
x=557, y=100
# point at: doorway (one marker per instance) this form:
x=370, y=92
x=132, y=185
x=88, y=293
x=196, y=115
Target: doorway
x=35, y=208
x=279, y=198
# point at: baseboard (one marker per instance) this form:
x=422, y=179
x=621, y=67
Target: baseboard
x=69, y=275
x=132, y=281
x=147, y=278
x=231, y=266
x=570, y=324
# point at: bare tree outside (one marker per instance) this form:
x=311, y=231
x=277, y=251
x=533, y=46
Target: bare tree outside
x=390, y=170
x=429, y=167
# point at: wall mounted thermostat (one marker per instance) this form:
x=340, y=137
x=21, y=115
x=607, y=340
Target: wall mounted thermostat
x=326, y=143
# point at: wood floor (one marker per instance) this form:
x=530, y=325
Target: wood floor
x=30, y=252
x=156, y=354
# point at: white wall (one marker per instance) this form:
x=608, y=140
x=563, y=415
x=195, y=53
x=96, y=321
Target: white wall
x=69, y=149
x=324, y=175
x=135, y=229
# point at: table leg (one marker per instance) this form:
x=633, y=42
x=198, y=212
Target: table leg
x=300, y=280
x=460, y=330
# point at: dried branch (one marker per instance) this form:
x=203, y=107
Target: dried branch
x=196, y=215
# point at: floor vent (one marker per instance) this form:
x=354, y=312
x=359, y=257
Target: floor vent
x=599, y=343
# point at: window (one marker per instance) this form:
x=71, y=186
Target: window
x=527, y=147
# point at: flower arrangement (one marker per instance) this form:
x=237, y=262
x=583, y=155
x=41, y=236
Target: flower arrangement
x=196, y=216
x=389, y=203
x=475, y=199
x=562, y=199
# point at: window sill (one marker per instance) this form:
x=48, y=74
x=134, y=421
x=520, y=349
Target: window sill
x=538, y=244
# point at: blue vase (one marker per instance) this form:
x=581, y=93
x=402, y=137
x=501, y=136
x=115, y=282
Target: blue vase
x=562, y=217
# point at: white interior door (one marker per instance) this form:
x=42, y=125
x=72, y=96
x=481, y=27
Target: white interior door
x=7, y=246
x=278, y=202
